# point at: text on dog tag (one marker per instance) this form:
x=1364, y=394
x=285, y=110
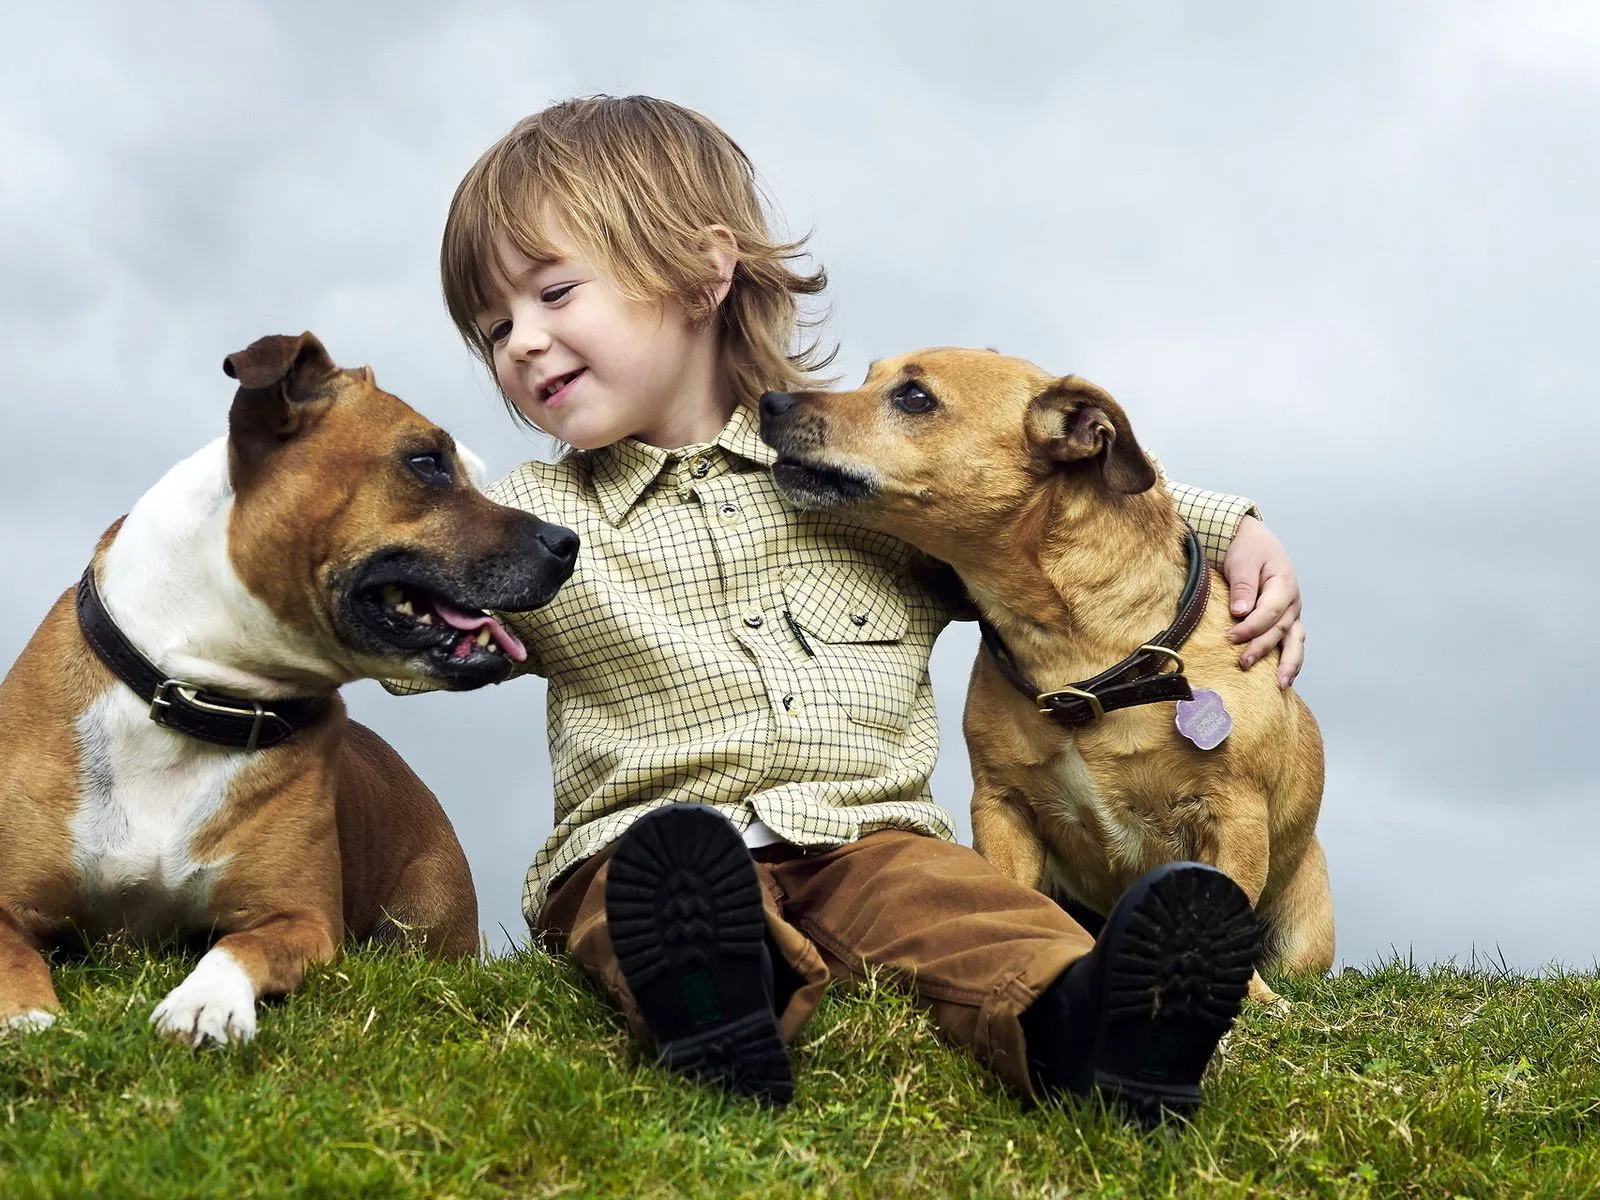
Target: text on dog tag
x=1204, y=720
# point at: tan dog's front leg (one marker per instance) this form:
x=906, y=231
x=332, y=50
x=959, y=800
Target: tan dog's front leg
x=217, y=1001
x=1243, y=854
x=1004, y=833
x=27, y=997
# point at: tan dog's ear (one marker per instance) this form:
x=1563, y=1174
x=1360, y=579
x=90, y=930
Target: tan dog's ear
x=278, y=378
x=1072, y=420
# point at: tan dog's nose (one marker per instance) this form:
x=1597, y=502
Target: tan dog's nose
x=775, y=404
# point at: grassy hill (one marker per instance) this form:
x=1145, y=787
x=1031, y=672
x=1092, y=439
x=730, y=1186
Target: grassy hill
x=389, y=1076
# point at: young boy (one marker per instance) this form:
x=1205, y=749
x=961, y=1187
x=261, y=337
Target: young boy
x=740, y=718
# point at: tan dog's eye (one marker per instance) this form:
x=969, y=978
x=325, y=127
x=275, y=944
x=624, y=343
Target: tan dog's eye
x=912, y=397
x=431, y=467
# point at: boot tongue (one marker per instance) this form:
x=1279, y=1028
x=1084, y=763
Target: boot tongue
x=471, y=622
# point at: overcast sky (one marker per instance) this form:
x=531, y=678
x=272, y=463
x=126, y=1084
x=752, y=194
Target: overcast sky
x=1343, y=259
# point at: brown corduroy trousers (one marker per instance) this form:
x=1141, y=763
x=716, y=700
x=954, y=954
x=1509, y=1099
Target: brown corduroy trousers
x=975, y=947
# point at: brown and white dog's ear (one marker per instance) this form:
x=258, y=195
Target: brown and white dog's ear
x=279, y=378
x=1072, y=420
x=294, y=363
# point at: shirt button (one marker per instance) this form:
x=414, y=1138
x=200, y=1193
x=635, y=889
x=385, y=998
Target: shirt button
x=858, y=618
x=792, y=704
x=755, y=620
x=699, y=467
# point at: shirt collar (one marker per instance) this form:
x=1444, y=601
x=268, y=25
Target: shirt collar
x=742, y=436
x=623, y=470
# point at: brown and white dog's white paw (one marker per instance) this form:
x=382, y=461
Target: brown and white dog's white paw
x=216, y=1003
x=31, y=1021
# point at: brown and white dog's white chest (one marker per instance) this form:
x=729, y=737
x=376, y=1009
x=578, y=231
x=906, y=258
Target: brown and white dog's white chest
x=144, y=793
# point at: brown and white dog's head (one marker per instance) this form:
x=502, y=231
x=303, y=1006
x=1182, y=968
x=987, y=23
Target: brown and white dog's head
x=943, y=447
x=359, y=524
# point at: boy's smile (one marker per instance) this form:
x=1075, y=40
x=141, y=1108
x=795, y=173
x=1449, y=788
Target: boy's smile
x=588, y=365
x=558, y=388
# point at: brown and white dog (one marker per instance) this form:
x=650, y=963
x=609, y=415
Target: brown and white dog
x=1035, y=491
x=333, y=534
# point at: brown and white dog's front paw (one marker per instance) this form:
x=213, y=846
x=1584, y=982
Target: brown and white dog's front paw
x=31, y=1021
x=216, y=1003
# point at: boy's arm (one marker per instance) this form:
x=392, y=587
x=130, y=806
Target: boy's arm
x=1263, y=590
x=1215, y=516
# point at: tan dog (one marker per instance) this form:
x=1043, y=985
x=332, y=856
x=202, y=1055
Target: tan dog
x=333, y=534
x=1035, y=491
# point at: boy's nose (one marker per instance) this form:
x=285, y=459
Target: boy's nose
x=527, y=339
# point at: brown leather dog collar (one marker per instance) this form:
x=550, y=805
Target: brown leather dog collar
x=182, y=707
x=1137, y=679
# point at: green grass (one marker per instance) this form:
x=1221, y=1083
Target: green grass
x=387, y=1075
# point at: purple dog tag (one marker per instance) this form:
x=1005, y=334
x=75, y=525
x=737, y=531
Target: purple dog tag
x=1204, y=720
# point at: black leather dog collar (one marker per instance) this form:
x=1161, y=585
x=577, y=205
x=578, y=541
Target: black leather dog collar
x=1137, y=679
x=183, y=707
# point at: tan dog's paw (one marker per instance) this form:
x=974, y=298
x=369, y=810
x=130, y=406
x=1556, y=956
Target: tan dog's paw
x=1267, y=999
x=216, y=1003
x=31, y=1021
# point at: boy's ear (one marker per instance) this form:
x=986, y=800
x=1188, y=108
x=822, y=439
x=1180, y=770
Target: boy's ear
x=279, y=379
x=1074, y=421
x=721, y=249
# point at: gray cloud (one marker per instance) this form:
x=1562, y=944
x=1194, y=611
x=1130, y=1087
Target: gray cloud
x=1339, y=259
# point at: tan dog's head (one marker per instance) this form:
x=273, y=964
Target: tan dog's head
x=943, y=446
x=359, y=523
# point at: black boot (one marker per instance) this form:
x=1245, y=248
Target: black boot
x=684, y=910
x=1138, y=1017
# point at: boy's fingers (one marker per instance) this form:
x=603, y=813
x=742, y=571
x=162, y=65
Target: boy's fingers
x=1277, y=598
x=1292, y=654
x=1258, y=647
x=1242, y=594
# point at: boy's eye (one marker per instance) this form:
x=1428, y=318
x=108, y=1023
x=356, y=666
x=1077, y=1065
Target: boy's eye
x=912, y=397
x=498, y=332
x=554, y=294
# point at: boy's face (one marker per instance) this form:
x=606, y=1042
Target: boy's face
x=584, y=363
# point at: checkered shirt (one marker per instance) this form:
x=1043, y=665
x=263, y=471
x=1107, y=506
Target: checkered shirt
x=716, y=646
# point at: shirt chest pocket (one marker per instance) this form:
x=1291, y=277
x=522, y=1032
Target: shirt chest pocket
x=853, y=622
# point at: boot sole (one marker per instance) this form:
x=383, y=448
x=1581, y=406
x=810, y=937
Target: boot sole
x=1181, y=953
x=683, y=906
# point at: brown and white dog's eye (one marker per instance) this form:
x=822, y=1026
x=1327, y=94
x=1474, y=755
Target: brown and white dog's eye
x=430, y=466
x=912, y=397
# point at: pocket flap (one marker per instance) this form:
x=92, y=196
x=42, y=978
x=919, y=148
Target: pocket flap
x=839, y=604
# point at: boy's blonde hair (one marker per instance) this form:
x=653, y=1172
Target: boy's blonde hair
x=635, y=181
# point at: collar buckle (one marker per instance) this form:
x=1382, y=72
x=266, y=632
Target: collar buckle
x=1047, y=708
x=189, y=694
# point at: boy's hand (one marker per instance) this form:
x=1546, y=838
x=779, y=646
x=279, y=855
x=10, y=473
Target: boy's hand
x=1262, y=584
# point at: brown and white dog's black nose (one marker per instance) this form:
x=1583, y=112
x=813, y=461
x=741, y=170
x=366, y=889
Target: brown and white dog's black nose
x=560, y=541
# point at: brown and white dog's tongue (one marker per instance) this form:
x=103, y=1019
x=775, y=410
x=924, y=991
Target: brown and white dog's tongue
x=471, y=622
